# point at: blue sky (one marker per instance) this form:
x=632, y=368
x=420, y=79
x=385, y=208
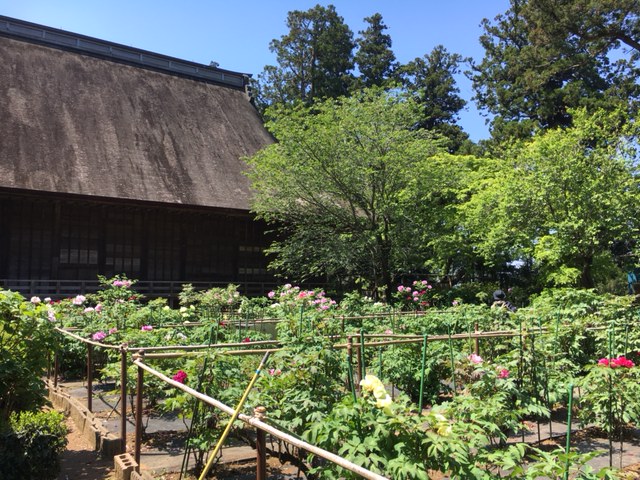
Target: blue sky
x=236, y=34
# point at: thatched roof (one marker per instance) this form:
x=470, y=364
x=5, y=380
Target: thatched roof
x=77, y=123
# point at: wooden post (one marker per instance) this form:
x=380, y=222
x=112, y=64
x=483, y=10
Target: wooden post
x=89, y=377
x=261, y=446
x=123, y=398
x=139, y=395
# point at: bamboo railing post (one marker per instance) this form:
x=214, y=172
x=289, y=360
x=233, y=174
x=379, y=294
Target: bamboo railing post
x=123, y=398
x=261, y=445
x=286, y=437
x=56, y=367
x=89, y=377
x=139, y=395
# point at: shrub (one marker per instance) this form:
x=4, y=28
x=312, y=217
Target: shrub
x=32, y=446
x=25, y=336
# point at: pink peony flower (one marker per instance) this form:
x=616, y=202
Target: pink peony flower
x=146, y=328
x=388, y=331
x=89, y=310
x=78, y=300
x=455, y=303
x=271, y=294
x=274, y=372
x=246, y=340
x=35, y=300
x=475, y=359
x=503, y=373
x=180, y=376
x=621, y=361
x=113, y=330
x=98, y=308
x=99, y=336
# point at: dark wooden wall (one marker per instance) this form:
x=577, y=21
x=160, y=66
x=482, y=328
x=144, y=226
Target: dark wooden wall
x=72, y=238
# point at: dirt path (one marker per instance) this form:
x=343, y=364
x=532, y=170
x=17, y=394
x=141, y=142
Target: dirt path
x=80, y=461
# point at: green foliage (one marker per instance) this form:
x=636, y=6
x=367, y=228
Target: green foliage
x=32, y=446
x=564, y=199
x=609, y=396
x=302, y=382
x=333, y=184
x=26, y=334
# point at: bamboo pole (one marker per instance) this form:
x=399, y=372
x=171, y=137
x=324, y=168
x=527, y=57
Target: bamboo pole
x=123, y=398
x=296, y=442
x=139, y=394
x=236, y=412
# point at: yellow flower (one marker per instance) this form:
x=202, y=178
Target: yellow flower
x=370, y=383
x=384, y=402
x=379, y=391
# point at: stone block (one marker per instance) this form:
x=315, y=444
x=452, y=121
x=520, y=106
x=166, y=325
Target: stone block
x=124, y=466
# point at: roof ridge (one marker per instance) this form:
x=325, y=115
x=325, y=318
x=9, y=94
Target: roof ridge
x=63, y=39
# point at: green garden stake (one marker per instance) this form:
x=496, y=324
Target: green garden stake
x=570, y=408
x=626, y=337
x=453, y=365
x=363, y=373
x=301, y=320
x=610, y=346
x=352, y=385
x=424, y=361
x=609, y=406
x=546, y=383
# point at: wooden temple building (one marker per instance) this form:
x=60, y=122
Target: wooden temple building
x=115, y=160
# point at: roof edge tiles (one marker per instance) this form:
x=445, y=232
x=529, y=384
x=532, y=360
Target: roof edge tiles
x=81, y=43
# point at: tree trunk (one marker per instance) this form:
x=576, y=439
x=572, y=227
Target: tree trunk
x=586, y=275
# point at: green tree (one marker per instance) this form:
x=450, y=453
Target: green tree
x=608, y=25
x=535, y=69
x=564, y=200
x=315, y=59
x=333, y=187
x=374, y=58
x=431, y=80
x=438, y=188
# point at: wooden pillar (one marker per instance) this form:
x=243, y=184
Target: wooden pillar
x=261, y=446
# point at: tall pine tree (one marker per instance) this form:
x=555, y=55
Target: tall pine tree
x=374, y=58
x=315, y=59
